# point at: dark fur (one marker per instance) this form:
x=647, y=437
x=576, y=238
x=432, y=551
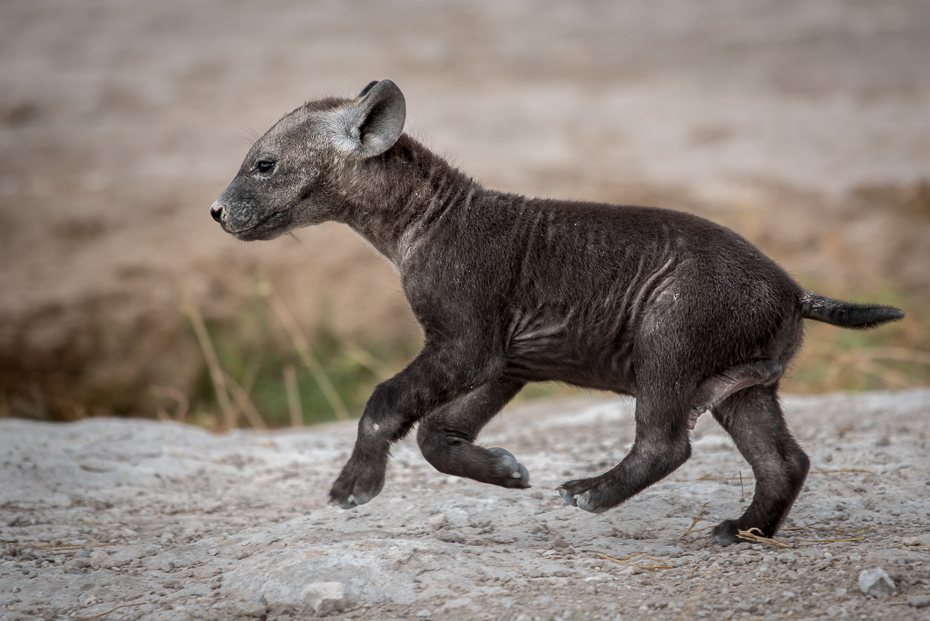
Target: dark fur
x=680, y=312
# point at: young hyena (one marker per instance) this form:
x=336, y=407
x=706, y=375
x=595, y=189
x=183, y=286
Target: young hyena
x=680, y=312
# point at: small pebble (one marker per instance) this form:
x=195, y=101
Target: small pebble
x=253, y=608
x=450, y=536
x=100, y=560
x=876, y=582
x=918, y=601
x=325, y=597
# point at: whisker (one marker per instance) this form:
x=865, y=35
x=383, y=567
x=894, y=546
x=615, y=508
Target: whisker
x=297, y=239
x=250, y=136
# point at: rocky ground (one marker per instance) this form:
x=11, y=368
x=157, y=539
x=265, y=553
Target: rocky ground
x=801, y=125
x=130, y=519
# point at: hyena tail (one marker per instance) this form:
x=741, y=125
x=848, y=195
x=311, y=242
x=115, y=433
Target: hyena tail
x=846, y=314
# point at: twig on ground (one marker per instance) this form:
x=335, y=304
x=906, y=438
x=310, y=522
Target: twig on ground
x=694, y=522
x=68, y=547
x=756, y=537
x=103, y=614
x=625, y=560
x=750, y=476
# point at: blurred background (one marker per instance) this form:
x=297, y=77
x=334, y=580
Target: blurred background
x=803, y=125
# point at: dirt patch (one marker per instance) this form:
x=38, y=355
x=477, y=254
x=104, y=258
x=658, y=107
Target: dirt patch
x=163, y=521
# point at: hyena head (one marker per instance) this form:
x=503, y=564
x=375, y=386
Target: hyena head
x=301, y=170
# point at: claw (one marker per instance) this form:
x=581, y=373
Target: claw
x=349, y=504
x=354, y=499
x=566, y=496
x=724, y=533
x=583, y=502
x=514, y=469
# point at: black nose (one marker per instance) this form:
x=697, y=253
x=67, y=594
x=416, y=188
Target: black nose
x=217, y=212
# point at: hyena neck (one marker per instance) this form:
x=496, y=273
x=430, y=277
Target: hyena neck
x=395, y=198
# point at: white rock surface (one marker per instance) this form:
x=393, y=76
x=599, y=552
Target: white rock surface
x=180, y=524
x=325, y=598
x=876, y=582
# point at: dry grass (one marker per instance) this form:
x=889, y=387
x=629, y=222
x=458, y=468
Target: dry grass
x=694, y=522
x=302, y=346
x=659, y=564
x=244, y=382
x=217, y=375
x=103, y=614
x=892, y=357
x=755, y=535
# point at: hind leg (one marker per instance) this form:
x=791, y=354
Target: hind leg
x=661, y=446
x=755, y=421
x=715, y=390
x=447, y=437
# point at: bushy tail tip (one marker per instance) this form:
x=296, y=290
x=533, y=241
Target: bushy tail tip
x=847, y=314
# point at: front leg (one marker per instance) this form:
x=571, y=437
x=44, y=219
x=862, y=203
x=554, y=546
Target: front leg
x=438, y=375
x=447, y=437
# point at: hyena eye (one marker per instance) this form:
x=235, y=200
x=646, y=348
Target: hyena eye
x=264, y=167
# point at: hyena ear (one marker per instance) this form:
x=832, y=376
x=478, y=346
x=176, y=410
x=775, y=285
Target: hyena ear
x=372, y=124
x=365, y=90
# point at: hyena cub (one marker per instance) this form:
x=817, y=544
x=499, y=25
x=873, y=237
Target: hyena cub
x=680, y=312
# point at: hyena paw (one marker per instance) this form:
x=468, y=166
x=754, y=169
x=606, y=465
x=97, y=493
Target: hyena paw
x=586, y=494
x=355, y=486
x=727, y=532
x=510, y=472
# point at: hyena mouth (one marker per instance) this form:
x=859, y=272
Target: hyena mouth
x=265, y=229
